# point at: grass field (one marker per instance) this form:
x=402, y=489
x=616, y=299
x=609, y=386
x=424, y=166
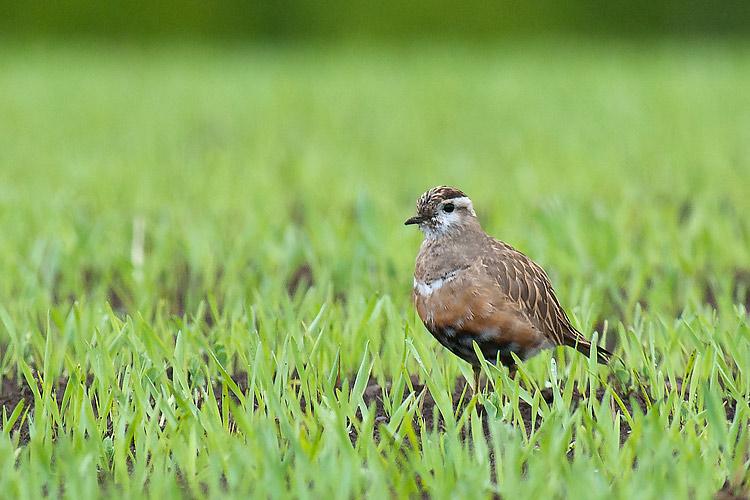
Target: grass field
x=205, y=279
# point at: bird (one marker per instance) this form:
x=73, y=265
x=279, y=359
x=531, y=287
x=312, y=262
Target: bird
x=470, y=287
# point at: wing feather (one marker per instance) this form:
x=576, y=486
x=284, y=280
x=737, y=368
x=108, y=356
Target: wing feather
x=528, y=286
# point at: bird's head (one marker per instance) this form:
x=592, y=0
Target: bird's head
x=443, y=209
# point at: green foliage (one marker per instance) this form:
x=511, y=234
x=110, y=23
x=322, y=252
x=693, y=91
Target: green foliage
x=159, y=205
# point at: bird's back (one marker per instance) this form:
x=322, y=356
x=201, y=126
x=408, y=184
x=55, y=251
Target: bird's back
x=527, y=284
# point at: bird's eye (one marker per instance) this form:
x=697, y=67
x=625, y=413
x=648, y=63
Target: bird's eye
x=448, y=207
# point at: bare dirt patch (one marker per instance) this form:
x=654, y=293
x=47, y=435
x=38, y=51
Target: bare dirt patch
x=11, y=394
x=740, y=289
x=300, y=279
x=732, y=492
x=462, y=394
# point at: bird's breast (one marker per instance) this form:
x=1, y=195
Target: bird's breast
x=467, y=306
x=452, y=299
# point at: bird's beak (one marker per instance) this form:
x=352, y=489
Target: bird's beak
x=417, y=219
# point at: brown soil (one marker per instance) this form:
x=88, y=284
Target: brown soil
x=730, y=492
x=12, y=392
x=301, y=279
x=462, y=394
x=740, y=289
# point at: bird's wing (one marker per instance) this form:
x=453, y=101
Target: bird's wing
x=527, y=285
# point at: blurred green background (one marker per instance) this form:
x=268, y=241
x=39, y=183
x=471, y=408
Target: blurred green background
x=227, y=114
x=292, y=19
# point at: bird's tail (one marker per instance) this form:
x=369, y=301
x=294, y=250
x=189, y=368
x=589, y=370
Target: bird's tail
x=603, y=356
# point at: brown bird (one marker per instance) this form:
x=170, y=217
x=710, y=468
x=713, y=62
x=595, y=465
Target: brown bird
x=470, y=287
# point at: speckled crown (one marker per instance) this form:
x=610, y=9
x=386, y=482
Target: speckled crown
x=434, y=196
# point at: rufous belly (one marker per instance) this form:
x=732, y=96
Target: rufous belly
x=460, y=311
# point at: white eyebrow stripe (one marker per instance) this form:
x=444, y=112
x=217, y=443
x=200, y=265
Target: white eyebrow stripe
x=462, y=201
